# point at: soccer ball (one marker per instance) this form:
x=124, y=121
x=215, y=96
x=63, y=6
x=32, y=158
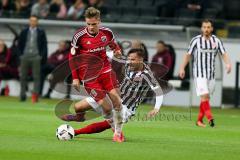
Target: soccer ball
x=65, y=132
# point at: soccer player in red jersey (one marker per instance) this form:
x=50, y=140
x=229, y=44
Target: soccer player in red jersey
x=89, y=63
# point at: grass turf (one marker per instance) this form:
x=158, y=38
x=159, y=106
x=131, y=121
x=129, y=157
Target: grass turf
x=27, y=132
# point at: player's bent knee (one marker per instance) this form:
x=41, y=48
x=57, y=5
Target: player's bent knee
x=107, y=112
x=78, y=108
x=117, y=106
x=116, y=100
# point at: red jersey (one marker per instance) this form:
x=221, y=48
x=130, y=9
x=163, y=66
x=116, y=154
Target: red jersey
x=87, y=45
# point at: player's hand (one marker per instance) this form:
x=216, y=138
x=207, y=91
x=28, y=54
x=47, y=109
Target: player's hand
x=228, y=68
x=73, y=51
x=152, y=113
x=181, y=73
x=76, y=84
x=117, y=54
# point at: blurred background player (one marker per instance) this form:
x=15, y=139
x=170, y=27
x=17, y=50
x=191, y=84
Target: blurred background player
x=204, y=48
x=91, y=41
x=33, y=50
x=164, y=57
x=137, y=82
x=54, y=60
x=8, y=66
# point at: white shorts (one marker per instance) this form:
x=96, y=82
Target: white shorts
x=204, y=86
x=126, y=112
x=94, y=105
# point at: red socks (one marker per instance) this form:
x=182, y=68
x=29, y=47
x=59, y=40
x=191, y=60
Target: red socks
x=93, y=128
x=201, y=112
x=205, y=110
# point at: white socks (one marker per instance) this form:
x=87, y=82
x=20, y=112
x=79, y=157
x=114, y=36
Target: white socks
x=118, y=121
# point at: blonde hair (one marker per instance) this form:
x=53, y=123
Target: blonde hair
x=92, y=12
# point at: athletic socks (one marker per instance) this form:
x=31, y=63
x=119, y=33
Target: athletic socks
x=93, y=128
x=207, y=110
x=118, y=121
x=201, y=112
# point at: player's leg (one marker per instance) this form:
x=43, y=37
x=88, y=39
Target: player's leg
x=24, y=66
x=98, y=89
x=117, y=114
x=98, y=93
x=106, y=110
x=94, y=128
x=106, y=107
x=207, y=109
x=111, y=85
x=201, y=116
x=202, y=91
x=80, y=108
x=36, y=72
x=207, y=106
x=103, y=125
x=98, y=126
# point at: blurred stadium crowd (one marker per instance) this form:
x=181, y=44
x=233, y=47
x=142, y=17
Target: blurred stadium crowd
x=128, y=11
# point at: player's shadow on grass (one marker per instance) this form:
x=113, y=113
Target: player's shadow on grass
x=90, y=139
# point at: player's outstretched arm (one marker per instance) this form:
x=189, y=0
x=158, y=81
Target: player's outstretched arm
x=119, y=58
x=227, y=62
x=117, y=53
x=158, y=100
x=186, y=59
x=155, y=86
x=152, y=113
x=73, y=67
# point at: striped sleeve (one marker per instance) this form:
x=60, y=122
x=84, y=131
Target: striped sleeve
x=192, y=45
x=221, y=48
x=150, y=79
x=154, y=85
x=76, y=37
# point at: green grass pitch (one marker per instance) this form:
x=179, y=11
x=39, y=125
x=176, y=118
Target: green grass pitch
x=27, y=132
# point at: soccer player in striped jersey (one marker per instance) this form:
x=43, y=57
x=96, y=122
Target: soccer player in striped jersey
x=203, y=49
x=137, y=82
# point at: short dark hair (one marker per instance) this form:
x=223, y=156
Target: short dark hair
x=139, y=52
x=207, y=21
x=162, y=42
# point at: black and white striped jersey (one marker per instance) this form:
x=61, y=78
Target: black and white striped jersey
x=135, y=86
x=204, y=53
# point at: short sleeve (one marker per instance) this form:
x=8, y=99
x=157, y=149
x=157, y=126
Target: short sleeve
x=192, y=46
x=221, y=48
